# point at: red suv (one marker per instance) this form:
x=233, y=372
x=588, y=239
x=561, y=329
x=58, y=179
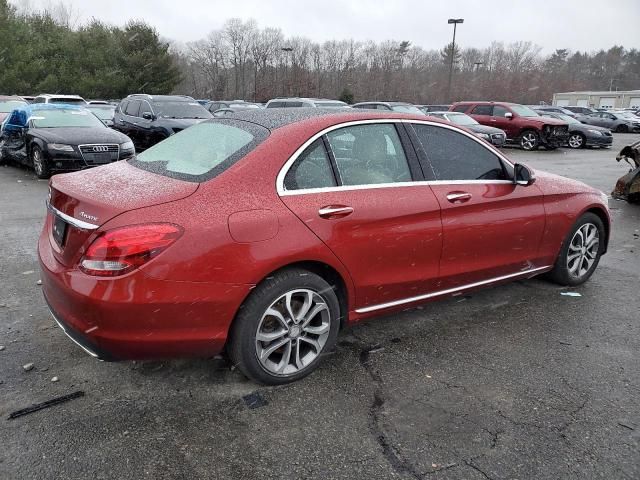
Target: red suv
x=267, y=231
x=522, y=125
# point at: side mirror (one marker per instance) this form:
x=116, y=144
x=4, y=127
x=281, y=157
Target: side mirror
x=508, y=115
x=523, y=175
x=147, y=116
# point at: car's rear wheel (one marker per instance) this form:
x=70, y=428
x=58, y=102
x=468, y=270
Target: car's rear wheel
x=577, y=140
x=622, y=129
x=580, y=251
x=529, y=140
x=40, y=164
x=285, y=327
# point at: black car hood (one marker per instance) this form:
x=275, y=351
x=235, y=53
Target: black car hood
x=79, y=135
x=483, y=129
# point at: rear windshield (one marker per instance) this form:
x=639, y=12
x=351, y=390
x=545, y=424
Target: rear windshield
x=202, y=151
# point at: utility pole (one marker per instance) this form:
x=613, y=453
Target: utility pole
x=287, y=50
x=455, y=22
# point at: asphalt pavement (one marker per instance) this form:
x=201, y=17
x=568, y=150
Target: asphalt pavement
x=513, y=382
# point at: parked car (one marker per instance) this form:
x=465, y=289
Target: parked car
x=492, y=135
x=580, y=110
x=54, y=138
x=617, y=122
x=8, y=103
x=351, y=214
x=581, y=135
x=149, y=119
x=433, y=108
x=401, y=107
x=305, y=103
x=541, y=109
x=522, y=125
x=628, y=186
x=230, y=104
x=55, y=98
x=104, y=111
x=28, y=98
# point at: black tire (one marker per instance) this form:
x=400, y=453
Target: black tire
x=561, y=273
x=529, y=140
x=243, y=345
x=577, y=140
x=622, y=129
x=39, y=162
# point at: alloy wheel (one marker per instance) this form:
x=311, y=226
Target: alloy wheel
x=528, y=141
x=575, y=141
x=293, y=332
x=37, y=161
x=583, y=250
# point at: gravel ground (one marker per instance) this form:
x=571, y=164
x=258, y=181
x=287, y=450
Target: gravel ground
x=514, y=382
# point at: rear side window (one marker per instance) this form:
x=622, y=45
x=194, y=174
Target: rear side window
x=202, y=151
x=311, y=170
x=369, y=154
x=293, y=104
x=482, y=110
x=455, y=156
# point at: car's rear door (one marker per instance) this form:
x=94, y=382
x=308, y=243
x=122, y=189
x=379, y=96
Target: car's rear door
x=356, y=189
x=129, y=123
x=491, y=227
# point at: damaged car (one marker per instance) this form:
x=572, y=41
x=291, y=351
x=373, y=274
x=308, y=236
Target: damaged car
x=628, y=186
x=58, y=137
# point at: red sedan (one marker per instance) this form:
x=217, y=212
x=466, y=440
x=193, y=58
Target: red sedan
x=266, y=232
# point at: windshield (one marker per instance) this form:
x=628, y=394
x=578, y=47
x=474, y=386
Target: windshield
x=461, y=119
x=68, y=101
x=407, y=109
x=202, y=151
x=330, y=104
x=178, y=109
x=60, y=118
x=627, y=115
x=103, y=112
x=523, y=111
x=8, y=106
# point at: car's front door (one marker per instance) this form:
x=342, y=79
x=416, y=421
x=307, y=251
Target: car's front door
x=491, y=227
x=355, y=189
x=499, y=120
x=144, y=125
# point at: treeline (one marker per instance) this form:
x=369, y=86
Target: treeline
x=44, y=51
x=41, y=52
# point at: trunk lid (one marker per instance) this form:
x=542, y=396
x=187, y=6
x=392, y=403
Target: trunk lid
x=84, y=201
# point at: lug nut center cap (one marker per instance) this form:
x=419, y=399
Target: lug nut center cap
x=295, y=331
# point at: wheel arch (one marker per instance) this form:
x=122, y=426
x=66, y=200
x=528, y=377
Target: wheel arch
x=602, y=215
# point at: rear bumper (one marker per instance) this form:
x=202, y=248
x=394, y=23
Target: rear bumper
x=136, y=316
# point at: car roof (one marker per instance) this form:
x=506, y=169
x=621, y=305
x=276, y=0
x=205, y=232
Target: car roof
x=310, y=99
x=162, y=98
x=6, y=98
x=376, y=102
x=274, y=118
x=59, y=95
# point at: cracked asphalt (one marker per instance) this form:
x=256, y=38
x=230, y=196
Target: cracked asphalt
x=514, y=382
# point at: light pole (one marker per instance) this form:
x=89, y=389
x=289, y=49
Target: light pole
x=287, y=50
x=455, y=22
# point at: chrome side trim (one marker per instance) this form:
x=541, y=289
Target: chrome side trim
x=282, y=191
x=93, y=354
x=395, y=303
x=70, y=220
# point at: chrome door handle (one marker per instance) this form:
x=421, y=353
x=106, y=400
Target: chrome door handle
x=335, y=211
x=459, y=197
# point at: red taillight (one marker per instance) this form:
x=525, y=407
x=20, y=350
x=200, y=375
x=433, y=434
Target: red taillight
x=118, y=251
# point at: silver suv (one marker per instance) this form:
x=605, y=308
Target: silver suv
x=68, y=99
x=295, y=102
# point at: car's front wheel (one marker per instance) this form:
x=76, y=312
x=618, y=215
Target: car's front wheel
x=285, y=327
x=40, y=164
x=576, y=140
x=529, y=140
x=580, y=251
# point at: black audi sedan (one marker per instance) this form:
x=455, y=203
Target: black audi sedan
x=55, y=137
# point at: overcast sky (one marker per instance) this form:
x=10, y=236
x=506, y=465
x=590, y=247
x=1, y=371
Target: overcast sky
x=574, y=24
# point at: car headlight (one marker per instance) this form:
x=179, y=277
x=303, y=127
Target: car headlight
x=61, y=147
x=483, y=135
x=127, y=145
x=595, y=132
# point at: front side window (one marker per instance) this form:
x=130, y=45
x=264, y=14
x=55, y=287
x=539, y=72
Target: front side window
x=311, y=170
x=133, y=108
x=202, y=151
x=499, y=111
x=523, y=111
x=455, y=156
x=460, y=108
x=369, y=154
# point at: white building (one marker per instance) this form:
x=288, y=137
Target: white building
x=620, y=99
